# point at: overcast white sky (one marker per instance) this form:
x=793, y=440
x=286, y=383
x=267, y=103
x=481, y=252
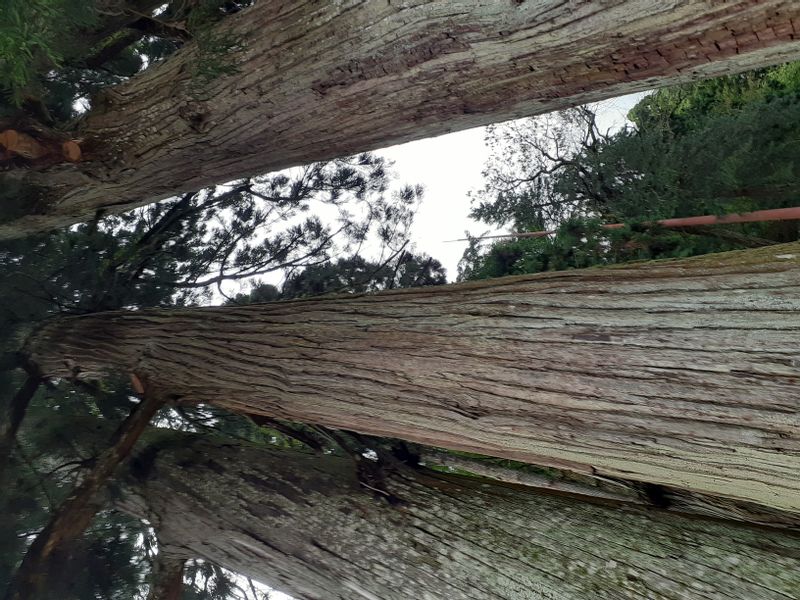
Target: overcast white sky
x=449, y=166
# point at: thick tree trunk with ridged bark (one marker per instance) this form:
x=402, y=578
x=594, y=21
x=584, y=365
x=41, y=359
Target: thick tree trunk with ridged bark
x=680, y=372
x=308, y=526
x=317, y=80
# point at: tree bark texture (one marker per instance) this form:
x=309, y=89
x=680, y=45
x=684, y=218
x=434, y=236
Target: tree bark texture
x=306, y=525
x=678, y=372
x=317, y=80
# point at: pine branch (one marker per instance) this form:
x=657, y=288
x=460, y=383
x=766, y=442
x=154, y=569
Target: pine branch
x=74, y=515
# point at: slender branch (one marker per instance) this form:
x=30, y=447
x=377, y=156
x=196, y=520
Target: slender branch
x=14, y=415
x=758, y=216
x=112, y=49
x=384, y=265
x=747, y=241
x=150, y=25
x=252, y=588
x=263, y=267
x=74, y=515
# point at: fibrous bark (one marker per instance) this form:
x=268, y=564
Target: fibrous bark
x=678, y=372
x=317, y=80
x=587, y=487
x=167, y=578
x=306, y=525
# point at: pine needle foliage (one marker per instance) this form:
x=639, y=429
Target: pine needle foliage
x=726, y=145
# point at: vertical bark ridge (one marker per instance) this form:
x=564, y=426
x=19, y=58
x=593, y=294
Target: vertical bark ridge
x=319, y=80
x=304, y=525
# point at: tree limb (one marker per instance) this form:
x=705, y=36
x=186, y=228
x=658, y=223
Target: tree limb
x=74, y=515
x=14, y=415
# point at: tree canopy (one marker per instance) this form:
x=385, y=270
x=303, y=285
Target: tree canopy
x=718, y=146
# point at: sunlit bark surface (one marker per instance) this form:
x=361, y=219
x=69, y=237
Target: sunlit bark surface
x=309, y=527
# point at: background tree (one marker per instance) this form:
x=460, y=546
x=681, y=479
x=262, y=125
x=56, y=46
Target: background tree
x=328, y=526
x=357, y=275
x=712, y=147
x=604, y=370
x=181, y=253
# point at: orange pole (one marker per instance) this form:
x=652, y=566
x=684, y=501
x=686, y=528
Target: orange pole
x=758, y=216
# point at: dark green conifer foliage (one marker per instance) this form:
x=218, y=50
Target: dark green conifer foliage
x=719, y=146
x=358, y=275
x=55, y=55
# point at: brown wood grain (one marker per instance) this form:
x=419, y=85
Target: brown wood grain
x=318, y=80
x=680, y=372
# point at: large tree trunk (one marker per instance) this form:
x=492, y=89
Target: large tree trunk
x=318, y=80
x=681, y=373
x=307, y=525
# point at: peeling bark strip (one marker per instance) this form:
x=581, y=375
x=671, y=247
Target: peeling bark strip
x=303, y=524
x=318, y=80
x=585, y=486
x=683, y=373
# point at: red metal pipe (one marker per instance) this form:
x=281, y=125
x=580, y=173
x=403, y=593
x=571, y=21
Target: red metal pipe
x=758, y=216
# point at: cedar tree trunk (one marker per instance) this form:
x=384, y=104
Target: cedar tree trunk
x=317, y=80
x=308, y=526
x=676, y=372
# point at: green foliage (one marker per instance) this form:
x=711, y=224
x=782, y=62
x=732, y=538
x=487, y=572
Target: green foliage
x=215, y=51
x=215, y=58
x=34, y=38
x=713, y=147
x=179, y=251
x=685, y=107
x=56, y=55
x=107, y=562
x=582, y=243
x=357, y=275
